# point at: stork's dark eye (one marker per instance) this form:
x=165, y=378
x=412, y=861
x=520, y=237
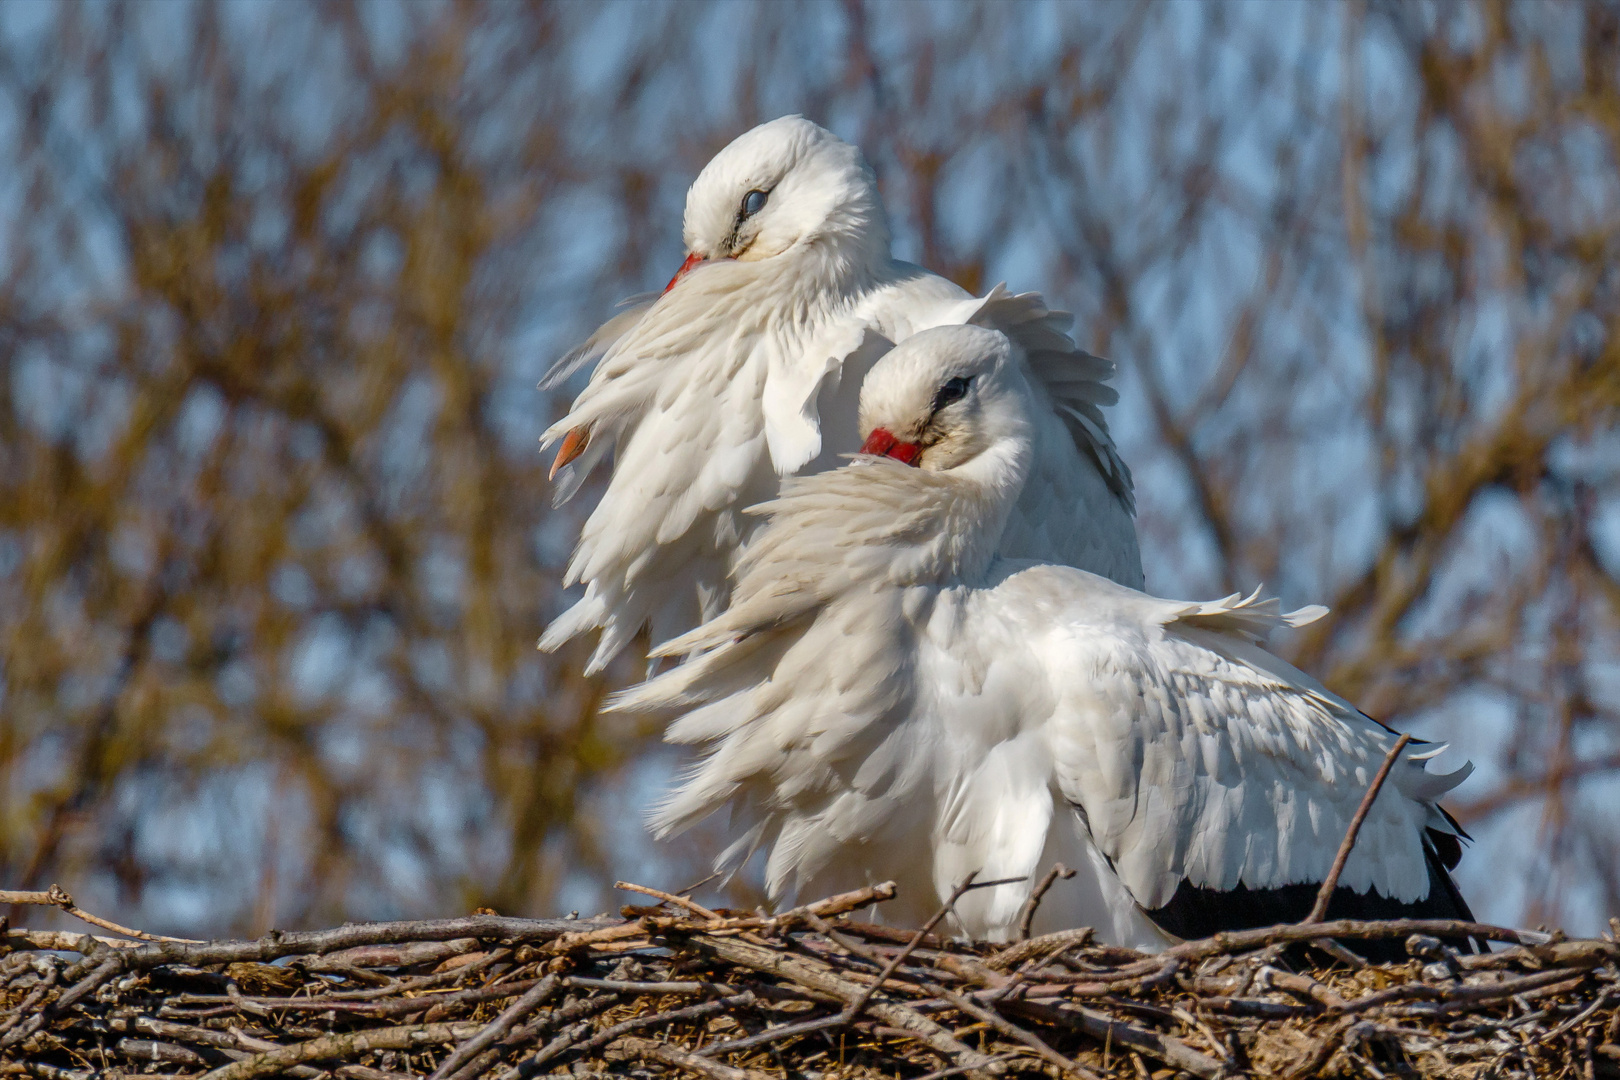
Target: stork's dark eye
x=953, y=390
x=753, y=203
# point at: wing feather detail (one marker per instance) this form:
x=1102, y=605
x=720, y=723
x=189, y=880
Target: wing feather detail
x=601, y=340
x=1197, y=756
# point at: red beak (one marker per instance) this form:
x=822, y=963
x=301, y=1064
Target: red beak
x=884, y=444
x=686, y=268
x=573, y=445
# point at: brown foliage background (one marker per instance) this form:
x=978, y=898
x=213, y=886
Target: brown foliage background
x=279, y=279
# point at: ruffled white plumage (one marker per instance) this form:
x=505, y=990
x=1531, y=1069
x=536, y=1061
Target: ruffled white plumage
x=748, y=371
x=885, y=698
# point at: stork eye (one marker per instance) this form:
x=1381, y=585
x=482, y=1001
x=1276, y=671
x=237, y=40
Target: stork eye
x=753, y=203
x=953, y=390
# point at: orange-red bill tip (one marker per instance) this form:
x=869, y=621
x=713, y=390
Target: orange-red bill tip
x=686, y=268
x=573, y=445
x=883, y=443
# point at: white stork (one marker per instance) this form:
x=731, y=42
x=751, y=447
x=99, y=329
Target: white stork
x=747, y=368
x=886, y=697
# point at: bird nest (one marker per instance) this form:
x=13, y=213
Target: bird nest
x=676, y=989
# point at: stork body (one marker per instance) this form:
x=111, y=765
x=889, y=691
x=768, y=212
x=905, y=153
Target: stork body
x=889, y=697
x=748, y=367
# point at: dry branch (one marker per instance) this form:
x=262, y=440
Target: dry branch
x=1331, y=882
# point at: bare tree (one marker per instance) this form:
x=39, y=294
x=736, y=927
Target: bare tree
x=275, y=543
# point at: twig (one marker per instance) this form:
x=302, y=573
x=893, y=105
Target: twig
x=769, y=1035
x=63, y=940
x=1004, y=1026
x=408, y=1037
x=600, y=936
x=250, y=1046
x=397, y=955
x=698, y=884
x=832, y=905
x=1047, y=945
x=51, y=1072
x=574, y=1010
x=682, y=1059
x=1171, y=1051
x=29, y=1004
x=234, y=994
x=87, y=984
x=1242, y=1006
x=148, y=1050
x=58, y=897
x=530, y=1065
x=1531, y=987
x=622, y=986
x=1324, y=1049
x=967, y=885
x=836, y=905
x=278, y=944
x=1231, y=942
x=891, y=934
x=1027, y=916
x=690, y=1012
x=668, y=898
x=1306, y=987
x=523, y=1006
x=1581, y=1017
x=820, y=977
x=940, y=1074
x=1331, y=882
x=972, y=1008
x=1339, y=952
x=397, y=1006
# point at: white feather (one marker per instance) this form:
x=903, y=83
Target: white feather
x=749, y=370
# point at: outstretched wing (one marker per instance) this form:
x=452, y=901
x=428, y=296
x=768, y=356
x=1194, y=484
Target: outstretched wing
x=1195, y=758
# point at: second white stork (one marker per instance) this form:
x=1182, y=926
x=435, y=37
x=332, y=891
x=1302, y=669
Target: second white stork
x=748, y=366
x=887, y=698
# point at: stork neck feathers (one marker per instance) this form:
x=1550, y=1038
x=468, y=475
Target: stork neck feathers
x=972, y=501
x=879, y=522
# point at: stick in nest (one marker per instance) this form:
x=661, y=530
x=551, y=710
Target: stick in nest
x=668, y=898
x=967, y=885
x=982, y=1013
x=58, y=897
x=1027, y=916
x=674, y=1055
x=1325, y=893
x=497, y=1027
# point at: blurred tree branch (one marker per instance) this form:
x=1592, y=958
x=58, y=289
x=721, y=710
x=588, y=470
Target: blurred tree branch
x=279, y=280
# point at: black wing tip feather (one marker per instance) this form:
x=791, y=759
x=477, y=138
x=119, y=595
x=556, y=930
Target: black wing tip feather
x=1447, y=847
x=1198, y=912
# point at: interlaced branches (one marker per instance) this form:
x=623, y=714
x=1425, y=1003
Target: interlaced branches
x=730, y=995
x=278, y=284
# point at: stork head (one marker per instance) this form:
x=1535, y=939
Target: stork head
x=785, y=186
x=948, y=397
